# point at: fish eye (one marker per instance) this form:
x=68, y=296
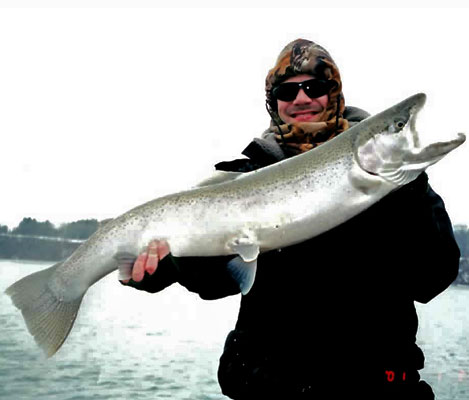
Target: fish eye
x=397, y=126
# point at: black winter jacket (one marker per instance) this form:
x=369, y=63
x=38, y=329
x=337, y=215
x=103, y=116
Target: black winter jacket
x=335, y=313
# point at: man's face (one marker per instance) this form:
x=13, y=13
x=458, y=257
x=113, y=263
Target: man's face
x=302, y=108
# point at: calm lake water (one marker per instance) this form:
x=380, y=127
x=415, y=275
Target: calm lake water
x=129, y=344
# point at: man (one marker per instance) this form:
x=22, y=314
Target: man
x=332, y=317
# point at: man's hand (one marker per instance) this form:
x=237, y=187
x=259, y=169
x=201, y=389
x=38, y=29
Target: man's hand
x=148, y=260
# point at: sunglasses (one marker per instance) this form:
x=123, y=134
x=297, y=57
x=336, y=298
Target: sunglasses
x=313, y=88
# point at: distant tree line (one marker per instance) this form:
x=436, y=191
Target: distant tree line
x=82, y=229
x=35, y=240
x=17, y=247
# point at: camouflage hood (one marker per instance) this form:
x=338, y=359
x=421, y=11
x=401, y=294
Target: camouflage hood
x=306, y=57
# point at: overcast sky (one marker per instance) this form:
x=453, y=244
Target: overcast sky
x=103, y=109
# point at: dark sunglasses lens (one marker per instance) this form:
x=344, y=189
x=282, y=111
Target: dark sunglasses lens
x=316, y=88
x=313, y=88
x=286, y=91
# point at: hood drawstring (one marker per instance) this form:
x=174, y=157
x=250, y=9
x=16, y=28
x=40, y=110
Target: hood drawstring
x=274, y=119
x=337, y=116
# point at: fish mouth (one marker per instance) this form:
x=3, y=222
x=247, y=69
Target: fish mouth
x=399, y=135
x=419, y=101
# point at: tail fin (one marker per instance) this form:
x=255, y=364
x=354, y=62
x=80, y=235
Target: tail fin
x=48, y=318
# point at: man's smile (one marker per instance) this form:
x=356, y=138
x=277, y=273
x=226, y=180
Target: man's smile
x=304, y=115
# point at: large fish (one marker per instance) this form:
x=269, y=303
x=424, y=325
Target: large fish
x=239, y=214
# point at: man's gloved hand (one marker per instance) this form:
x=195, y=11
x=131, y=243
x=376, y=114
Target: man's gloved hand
x=148, y=261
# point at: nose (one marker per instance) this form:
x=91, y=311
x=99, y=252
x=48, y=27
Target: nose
x=302, y=98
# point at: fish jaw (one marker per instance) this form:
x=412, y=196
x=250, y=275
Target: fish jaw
x=393, y=151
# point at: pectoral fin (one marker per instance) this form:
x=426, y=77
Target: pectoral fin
x=243, y=272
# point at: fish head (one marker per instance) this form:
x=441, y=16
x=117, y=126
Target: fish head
x=388, y=143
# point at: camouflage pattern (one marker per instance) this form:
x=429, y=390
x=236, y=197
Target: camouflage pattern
x=306, y=57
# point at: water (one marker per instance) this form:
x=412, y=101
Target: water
x=131, y=344
x=444, y=338
x=125, y=344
